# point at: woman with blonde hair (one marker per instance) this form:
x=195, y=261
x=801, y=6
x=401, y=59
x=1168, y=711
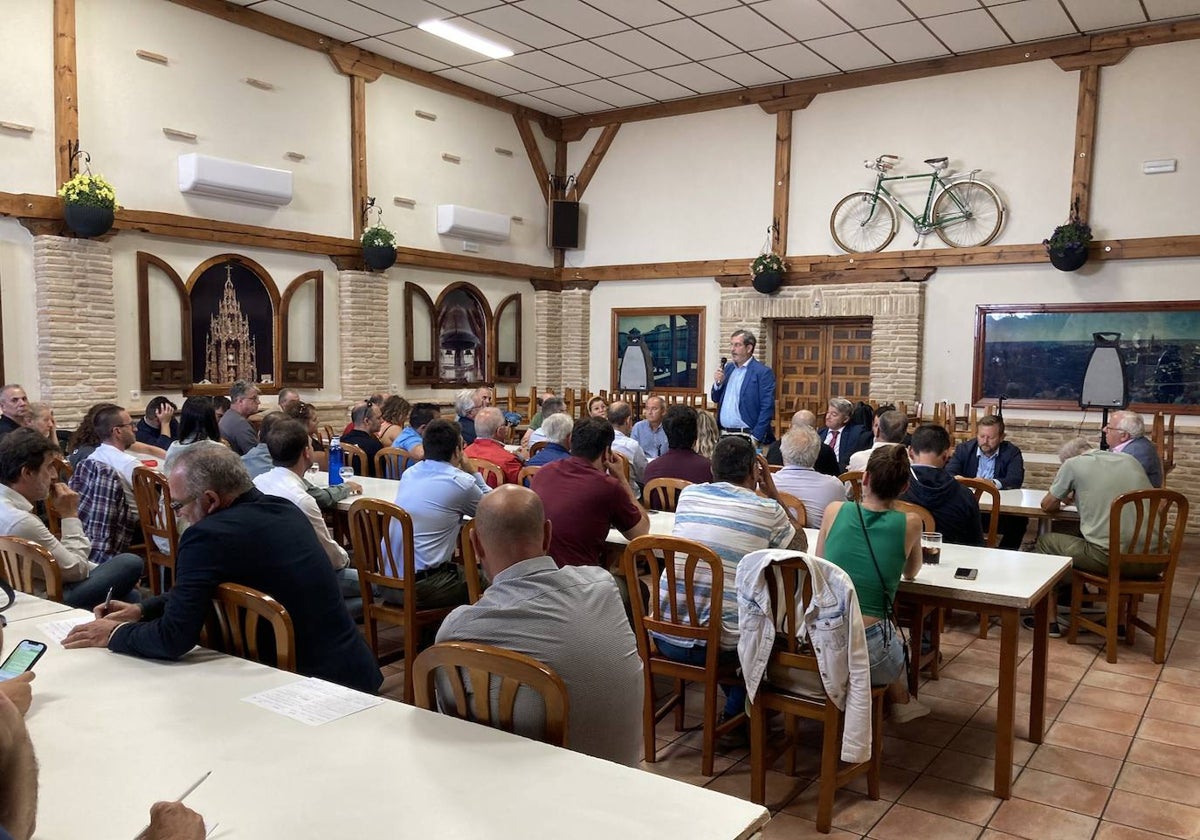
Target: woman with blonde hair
x=707, y=433
x=395, y=411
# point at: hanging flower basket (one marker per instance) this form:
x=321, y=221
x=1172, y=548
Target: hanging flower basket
x=1067, y=247
x=378, y=248
x=766, y=273
x=89, y=203
x=1069, y=259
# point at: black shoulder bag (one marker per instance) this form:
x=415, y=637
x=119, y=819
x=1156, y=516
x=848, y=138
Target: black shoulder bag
x=889, y=609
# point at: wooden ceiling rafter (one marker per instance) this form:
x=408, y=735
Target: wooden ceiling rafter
x=66, y=90
x=534, y=153
x=603, y=142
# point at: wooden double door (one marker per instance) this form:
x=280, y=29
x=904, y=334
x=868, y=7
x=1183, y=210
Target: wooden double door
x=818, y=358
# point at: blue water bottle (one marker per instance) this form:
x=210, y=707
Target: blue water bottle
x=335, y=461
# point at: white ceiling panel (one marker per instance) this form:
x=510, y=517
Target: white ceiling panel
x=745, y=28
x=802, y=19
x=510, y=21
x=594, y=59
x=848, y=52
x=640, y=49
x=530, y=101
x=350, y=15
x=653, y=85
x=795, y=61
x=612, y=93
x=863, y=14
x=412, y=59
x=573, y=16
x=1031, y=20
x=906, y=41
x=929, y=8
x=309, y=21
x=968, y=31
x=431, y=46
x=410, y=11
x=1089, y=14
x=460, y=7
x=699, y=7
x=636, y=12
x=691, y=39
x=578, y=102
x=745, y=69
x=548, y=67
x=698, y=77
x=506, y=74
x=1159, y=9
x=477, y=82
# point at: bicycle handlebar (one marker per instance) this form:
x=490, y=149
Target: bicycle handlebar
x=882, y=162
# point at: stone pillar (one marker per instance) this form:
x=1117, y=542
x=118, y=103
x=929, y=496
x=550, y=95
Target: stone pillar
x=547, y=307
x=76, y=333
x=363, y=332
x=576, y=334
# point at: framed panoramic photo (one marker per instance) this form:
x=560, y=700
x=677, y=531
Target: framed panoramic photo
x=659, y=350
x=1035, y=355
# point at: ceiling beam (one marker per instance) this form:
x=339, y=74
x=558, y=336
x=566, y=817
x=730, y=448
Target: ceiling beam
x=534, y=153
x=788, y=103
x=66, y=89
x=1085, y=143
x=783, y=181
x=1096, y=58
x=593, y=160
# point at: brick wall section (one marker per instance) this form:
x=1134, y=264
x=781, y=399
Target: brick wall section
x=896, y=310
x=548, y=311
x=76, y=334
x=576, y=334
x=362, y=297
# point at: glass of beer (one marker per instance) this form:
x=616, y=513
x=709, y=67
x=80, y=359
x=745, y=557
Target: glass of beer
x=931, y=547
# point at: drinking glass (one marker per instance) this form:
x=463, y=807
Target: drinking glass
x=931, y=547
x=347, y=472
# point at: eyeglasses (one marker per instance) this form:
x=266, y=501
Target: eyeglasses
x=180, y=505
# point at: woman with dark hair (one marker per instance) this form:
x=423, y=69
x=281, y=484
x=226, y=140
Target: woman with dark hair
x=875, y=544
x=306, y=413
x=395, y=412
x=197, y=424
x=158, y=426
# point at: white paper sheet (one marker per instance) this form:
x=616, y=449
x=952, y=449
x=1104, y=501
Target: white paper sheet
x=313, y=701
x=56, y=631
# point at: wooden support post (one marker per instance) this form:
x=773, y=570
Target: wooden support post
x=593, y=162
x=1085, y=141
x=560, y=177
x=66, y=89
x=358, y=146
x=535, y=155
x=783, y=180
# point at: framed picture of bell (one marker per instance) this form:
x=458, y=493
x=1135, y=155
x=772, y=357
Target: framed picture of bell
x=659, y=350
x=1039, y=355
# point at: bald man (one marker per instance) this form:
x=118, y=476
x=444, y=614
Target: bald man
x=827, y=462
x=570, y=619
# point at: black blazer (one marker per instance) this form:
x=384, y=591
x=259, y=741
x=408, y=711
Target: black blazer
x=826, y=464
x=853, y=438
x=266, y=543
x=1010, y=464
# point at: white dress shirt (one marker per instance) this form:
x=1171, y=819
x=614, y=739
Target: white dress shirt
x=282, y=482
x=18, y=520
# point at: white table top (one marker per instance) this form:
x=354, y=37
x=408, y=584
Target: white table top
x=1026, y=502
x=29, y=606
x=389, y=770
x=383, y=489
x=662, y=522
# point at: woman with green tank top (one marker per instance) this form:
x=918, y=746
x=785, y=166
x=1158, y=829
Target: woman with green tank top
x=875, y=544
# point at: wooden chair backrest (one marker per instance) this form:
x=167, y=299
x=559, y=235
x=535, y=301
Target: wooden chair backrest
x=854, y=479
x=18, y=560
x=492, y=474
x=928, y=523
x=535, y=448
x=353, y=456
x=1154, y=533
x=326, y=433
x=686, y=564
x=470, y=562
x=663, y=493
x=391, y=462
x=53, y=520
x=795, y=507
x=624, y=464
x=525, y=476
x=153, y=495
x=483, y=664
x=379, y=562
x=981, y=487
x=239, y=610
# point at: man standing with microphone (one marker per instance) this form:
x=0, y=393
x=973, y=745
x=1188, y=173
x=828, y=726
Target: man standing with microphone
x=744, y=391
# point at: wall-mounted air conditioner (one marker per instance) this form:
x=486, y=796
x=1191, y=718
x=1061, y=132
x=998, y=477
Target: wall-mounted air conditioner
x=219, y=178
x=469, y=223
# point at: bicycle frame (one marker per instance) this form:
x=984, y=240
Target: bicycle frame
x=923, y=222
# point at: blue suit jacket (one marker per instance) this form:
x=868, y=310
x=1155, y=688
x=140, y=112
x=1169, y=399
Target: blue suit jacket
x=1010, y=464
x=757, y=401
x=1144, y=450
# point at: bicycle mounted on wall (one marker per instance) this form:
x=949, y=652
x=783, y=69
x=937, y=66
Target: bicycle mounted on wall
x=962, y=210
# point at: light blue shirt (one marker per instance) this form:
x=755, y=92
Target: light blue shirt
x=987, y=465
x=407, y=439
x=437, y=496
x=653, y=442
x=731, y=415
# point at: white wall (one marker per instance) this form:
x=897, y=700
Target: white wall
x=27, y=96
x=19, y=305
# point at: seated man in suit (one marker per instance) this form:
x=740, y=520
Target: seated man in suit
x=827, y=462
x=844, y=438
x=569, y=618
x=954, y=509
x=1126, y=432
x=994, y=459
x=239, y=535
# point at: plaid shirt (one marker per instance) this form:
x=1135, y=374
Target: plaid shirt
x=107, y=519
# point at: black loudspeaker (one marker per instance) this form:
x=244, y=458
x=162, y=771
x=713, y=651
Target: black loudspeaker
x=564, y=224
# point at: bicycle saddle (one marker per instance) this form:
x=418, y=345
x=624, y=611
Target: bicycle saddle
x=937, y=163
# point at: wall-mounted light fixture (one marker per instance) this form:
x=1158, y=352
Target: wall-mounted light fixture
x=1157, y=167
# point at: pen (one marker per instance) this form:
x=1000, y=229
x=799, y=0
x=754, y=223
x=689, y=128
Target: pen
x=108, y=603
x=182, y=797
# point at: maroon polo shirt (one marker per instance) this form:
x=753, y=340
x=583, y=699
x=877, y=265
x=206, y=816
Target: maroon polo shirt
x=582, y=504
x=680, y=463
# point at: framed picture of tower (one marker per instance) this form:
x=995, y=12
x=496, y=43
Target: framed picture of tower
x=658, y=350
x=233, y=326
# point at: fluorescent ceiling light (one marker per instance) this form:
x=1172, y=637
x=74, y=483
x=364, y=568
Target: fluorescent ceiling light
x=464, y=39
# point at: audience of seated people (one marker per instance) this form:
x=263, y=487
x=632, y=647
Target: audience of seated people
x=235, y=423
x=954, y=509
x=535, y=422
x=410, y=437
x=648, y=431
x=550, y=406
x=826, y=463
x=844, y=437
x=992, y=458
x=1126, y=432
x=366, y=420
x=680, y=460
x=197, y=427
x=556, y=429
x=306, y=413
x=467, y=403
x=41, y=420
x=257, y=459
x=889, y=428
x=488, y=425
x=799, y=448
x=620, y=415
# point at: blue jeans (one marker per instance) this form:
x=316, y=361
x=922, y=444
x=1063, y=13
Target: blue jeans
x=735, y=695
x=886, y=653
x=121, y=572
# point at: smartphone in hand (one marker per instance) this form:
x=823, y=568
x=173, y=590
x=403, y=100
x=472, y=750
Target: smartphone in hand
x=22, y=659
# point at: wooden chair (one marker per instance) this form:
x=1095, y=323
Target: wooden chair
x=326, y=433
x=1154, y=539
x=492, y=474
x=981, y=487
x=919, y=613
x=789, y=654
x=353, y=456
x=484, y=664
x=153, y=495
x=535, y=448
x=391, y=462
x=525, y=476
x=238, y=611
x=663, y=493
x=18, y=560
x=385, y=567
x=692, y=564
x=795, y=507
x=854, y=479
x=53, y=520
x=623, y=462
x=470, y=562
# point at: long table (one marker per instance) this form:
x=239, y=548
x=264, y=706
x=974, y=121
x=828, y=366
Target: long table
x=1027, y=502
x=114, y=734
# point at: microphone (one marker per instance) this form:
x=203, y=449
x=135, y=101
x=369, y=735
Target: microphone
x=724, y=361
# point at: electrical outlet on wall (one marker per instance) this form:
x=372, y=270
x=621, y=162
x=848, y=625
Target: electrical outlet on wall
x=135, y=395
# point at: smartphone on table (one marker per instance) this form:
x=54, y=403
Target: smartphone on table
x=966, y=574
x=22, y=658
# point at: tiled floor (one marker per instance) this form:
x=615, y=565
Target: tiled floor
x=1120, y=761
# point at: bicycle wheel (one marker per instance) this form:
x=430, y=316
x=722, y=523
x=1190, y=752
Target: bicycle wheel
x=968, y=214
x=862, y=222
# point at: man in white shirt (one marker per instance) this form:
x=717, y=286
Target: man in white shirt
x=292, y=453
x=28, y=475
x=889, y=428
x=114, y=428
x=621, y=417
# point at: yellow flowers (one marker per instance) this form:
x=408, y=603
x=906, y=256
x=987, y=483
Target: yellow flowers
x=86, y=188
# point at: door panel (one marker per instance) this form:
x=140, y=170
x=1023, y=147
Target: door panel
x=816, y=359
